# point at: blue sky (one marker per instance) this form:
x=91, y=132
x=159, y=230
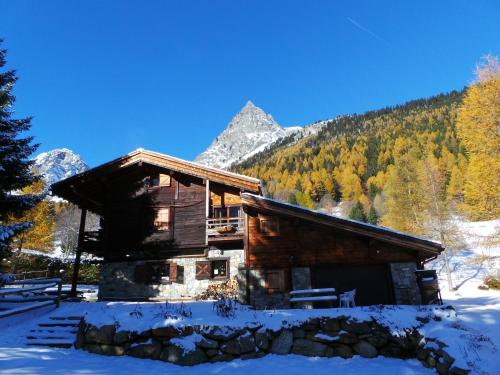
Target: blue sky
x=106, y=77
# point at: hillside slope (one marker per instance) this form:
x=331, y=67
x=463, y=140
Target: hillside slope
x=348, y=159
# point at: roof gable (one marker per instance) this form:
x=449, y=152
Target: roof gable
x=68, y=188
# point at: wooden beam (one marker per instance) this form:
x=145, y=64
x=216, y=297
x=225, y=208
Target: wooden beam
x=78, y=256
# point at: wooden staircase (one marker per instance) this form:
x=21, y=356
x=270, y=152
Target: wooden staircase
x=56, y=331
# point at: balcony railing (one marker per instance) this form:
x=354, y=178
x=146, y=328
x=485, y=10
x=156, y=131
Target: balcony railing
x=224, y=227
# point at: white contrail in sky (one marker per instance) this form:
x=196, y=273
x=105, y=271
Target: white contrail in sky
x=368, y=31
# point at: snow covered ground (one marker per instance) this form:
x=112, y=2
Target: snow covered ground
x=473, y=333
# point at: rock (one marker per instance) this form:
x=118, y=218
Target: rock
x=247, y=343
x=308, y=348
x=347, y=338
x=93, y=348
x=181, y=357
x=151, y=351
x=365, y=349
x=342, y=350
x=311, y=325
x=222, y=333
x=282, y=343
x=299, y=333
x=121, y=337
x=222, y=358
x=91, y=335
x=329, y=325
x=211, y=352
x=356, y=327
x=423, y=319
x=114, y=350
x=422, y=353
x=330, y=352
x=458, y=371
x=377, y=340
x=392, y=351
x=252, y=355
x=442, y=367
x=262, y=340
x=105, y=334
x=446, y=357
x=208, y=343
x=431, y=361
x=165, y=332
x=80, y=340
x=231, y=347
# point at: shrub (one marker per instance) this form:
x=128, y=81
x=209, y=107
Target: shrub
x=225, y=307
x=492, y=283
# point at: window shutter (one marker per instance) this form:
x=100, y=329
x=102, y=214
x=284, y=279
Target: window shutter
x=203, y=270
x=275, y=281
x=173, y=272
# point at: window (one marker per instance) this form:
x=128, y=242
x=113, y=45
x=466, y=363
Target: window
x=212, y=269
x=227, y=211
x=158, y=273
x=219, y=268
x=162, y=219
x=275, y=281
x=269, y=225
x=159, y=179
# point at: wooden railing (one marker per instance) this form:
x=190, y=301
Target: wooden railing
x=224, y=227
x=22, y=295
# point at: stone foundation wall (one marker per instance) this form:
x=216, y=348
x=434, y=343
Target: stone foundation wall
x=406, y=290
x=318, y=337
x=117, y=278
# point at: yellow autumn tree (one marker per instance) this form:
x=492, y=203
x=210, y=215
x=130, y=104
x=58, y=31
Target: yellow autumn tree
x=405, y=198
x=42, y=217
x=478, y=126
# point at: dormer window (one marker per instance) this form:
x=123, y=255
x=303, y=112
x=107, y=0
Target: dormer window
x=160, y=179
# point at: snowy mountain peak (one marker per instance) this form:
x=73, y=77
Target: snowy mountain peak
x=249, y=132
x=58, y=164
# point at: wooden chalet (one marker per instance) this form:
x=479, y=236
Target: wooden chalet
x=170, y=228
x=288, y=247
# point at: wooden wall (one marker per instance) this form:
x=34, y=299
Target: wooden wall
x=130, y=209
x=302, y=243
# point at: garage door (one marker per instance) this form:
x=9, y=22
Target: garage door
x=372, y=283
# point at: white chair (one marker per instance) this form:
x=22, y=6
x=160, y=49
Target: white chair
x=347, y=299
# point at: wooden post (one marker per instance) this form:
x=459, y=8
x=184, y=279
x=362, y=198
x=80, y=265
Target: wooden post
x=207, y=208
x=78, y=256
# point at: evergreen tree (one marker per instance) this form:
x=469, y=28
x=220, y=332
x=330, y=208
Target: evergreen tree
x=14, y=161
x=357, y=212
x=372, y=216
x=478, y=126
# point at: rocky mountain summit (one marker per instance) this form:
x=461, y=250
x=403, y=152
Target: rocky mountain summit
x=58, y=164
x=251, y=131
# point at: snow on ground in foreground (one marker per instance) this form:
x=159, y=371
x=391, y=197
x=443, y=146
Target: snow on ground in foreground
x=59, y=362
x=473, y=333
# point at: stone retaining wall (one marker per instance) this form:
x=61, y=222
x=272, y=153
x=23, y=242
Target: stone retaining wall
x=318, y=337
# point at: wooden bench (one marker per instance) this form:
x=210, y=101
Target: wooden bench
x=307, y=297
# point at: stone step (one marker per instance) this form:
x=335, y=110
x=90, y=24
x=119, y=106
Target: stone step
x=59, y=324
x=53, y=344
x=66, y=318
x=56, y=329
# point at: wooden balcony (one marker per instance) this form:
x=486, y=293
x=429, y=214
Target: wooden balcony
x=226, y=228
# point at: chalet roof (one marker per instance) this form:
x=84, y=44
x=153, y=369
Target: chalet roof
x=76, y=189
x=358, y=227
